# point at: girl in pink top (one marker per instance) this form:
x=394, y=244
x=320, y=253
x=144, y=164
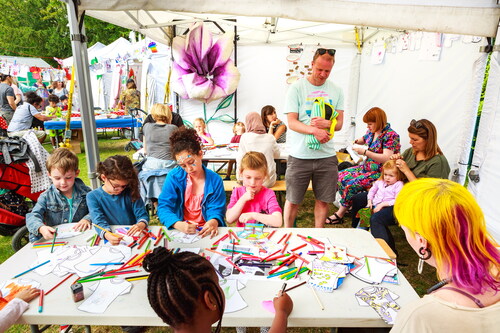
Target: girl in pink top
x=384, y=191
x=200, y=127
x=253, y=202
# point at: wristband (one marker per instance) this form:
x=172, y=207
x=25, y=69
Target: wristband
x=364, y=153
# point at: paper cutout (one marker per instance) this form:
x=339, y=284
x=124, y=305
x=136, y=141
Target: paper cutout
x=234, y=301
x=77, y=259
x=66, y=230
x=180, y=237
x=325, y=275
x=10, y=288
x=379, y=268
x=268, y=306
x=105, y=292
x=382, y=300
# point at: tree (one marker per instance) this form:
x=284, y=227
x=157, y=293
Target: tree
x=39, y=28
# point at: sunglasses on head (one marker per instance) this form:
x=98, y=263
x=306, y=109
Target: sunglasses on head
x=322, y=51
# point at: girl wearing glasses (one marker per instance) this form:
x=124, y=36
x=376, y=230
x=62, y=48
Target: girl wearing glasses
x=117, y=201
x=193, y=197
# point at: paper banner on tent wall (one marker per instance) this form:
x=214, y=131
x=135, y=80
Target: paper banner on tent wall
x=378, y=53
x=203, y=68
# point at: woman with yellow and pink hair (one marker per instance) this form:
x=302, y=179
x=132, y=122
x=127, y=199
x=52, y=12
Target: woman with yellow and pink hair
x=446, y=227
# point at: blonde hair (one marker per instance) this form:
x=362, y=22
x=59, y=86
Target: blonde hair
x=391, y=165
x=63, y=160
x=448, y=217
x=240, y=124
x=161, y=112
x=254, y=160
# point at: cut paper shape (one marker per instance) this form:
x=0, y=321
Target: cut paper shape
x=234, y=301
x=268, y=306
x=10, y=288
x=104, y=294
x=326, y=275
x=66, y=230
x=379, y=268
x=180, y=237
x=382, y=300
x=77, y=259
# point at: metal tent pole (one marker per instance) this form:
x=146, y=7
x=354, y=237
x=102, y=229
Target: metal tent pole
x=80, y=58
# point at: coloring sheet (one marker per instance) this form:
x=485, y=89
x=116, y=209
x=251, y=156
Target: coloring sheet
x=336, y=253
x=253, y=231
x=234, y=301
x=378, y=269
x=105, y=292
x=382, y=300
x=77, y=259
x=325, y=275
x=66, y=230
x=180, y=237
x=10, y=288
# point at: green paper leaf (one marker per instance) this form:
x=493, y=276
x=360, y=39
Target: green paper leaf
x=225, y=102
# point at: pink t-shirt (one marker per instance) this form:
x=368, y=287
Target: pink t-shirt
x=236, y=139
x=203, y=139
x=264, y=202
x=192, y=204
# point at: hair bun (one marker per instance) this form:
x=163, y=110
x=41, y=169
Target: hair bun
x=158, y=260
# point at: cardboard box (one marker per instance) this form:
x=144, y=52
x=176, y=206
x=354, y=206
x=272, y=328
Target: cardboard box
x=76, y=140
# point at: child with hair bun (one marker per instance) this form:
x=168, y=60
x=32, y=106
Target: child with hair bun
x=183, y=290
x=192, y=197
x=253, y=201
x=117, y=201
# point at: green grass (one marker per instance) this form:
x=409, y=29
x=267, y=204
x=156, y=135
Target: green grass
x=407, y=258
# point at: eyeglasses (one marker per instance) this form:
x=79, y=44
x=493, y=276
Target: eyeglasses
x=116, y=187
x=322, y=51
x=417, y=124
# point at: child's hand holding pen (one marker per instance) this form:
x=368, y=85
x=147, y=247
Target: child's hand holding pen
x=47, y=232
x=112, y=238
x=186, y=227
x=211, y=228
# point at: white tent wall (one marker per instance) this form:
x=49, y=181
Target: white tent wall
x=487, y=156
x=263, y=70
x=408, y=88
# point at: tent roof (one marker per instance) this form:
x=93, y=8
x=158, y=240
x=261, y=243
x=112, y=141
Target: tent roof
x=287, y=21
x=38, y=62
x=68, y=62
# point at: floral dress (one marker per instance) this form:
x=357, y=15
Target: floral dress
x=359, y=178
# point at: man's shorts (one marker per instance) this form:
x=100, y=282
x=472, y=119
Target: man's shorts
x=324, y=175
x=39, y=134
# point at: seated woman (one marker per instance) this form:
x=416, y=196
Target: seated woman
x=256, y=139
x=446, y=227
x=382, y=142
x=423, y=160
x=192, y=197
x=272, y=124
x=24, y=115
x=157, y=139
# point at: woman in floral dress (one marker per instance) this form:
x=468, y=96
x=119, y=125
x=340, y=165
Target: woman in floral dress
x=382, y=142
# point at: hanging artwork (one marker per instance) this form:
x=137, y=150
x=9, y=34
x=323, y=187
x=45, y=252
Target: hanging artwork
x=202, y=68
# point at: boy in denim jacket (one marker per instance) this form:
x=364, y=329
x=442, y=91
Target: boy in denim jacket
x=63, y=202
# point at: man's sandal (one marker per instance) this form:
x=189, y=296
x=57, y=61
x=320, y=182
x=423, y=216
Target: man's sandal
x=336, y=220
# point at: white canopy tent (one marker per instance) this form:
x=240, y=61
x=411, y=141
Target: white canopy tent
x=405, y=85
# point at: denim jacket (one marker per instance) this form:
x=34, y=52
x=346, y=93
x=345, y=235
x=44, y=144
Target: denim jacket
x=52, y=209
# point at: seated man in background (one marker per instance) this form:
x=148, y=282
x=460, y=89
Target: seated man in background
x=23, y=117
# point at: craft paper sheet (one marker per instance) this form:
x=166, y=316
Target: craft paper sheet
x=234, y=301
x=325, y=275
x=379, y=268
x=77, y=259
x=10, y=288
x=105, y=292
x=180, y=237
x=382, y=300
